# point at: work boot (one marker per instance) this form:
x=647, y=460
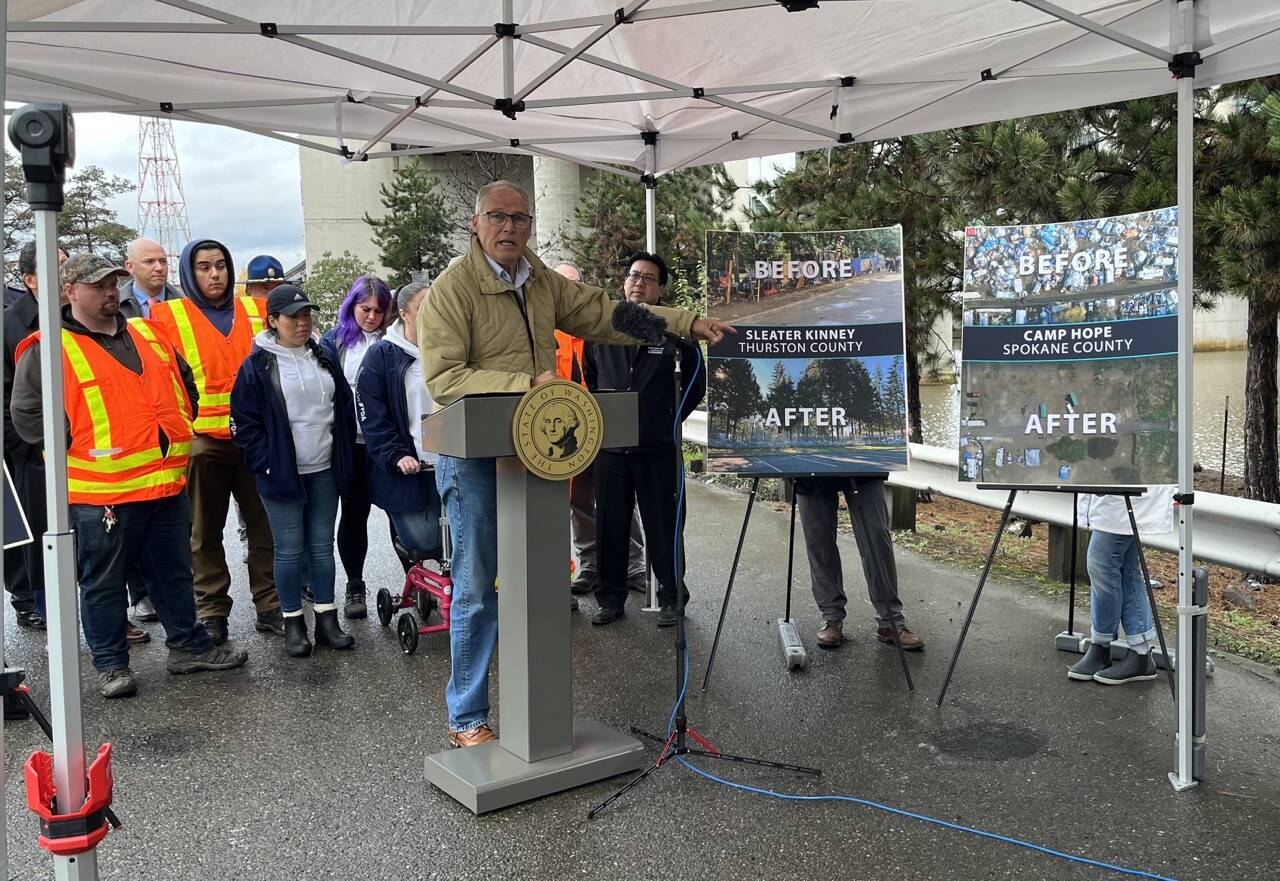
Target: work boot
x=216, y=627
x=910, y=642
x=30, y=618
x=585, y=582
x=270, y=622
x=217, y=658
x=1133, y=667
x=831, y=635
x=296, y=643
x=355, y=607
x=117, y=683
x=1096, y=659
x=668, y=616
x=144, y=610
x=328, y=633
x=134, y=634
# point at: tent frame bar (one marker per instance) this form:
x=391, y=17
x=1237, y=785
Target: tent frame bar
x=622, y=15
x=1101, y=30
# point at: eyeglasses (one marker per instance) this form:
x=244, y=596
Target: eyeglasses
x=500, y=218
x=642, y=278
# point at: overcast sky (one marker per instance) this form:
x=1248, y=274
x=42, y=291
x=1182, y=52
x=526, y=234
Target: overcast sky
x=241, y=189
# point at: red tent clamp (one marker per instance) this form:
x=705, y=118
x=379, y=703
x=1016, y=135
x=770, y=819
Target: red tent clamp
x=78, y=831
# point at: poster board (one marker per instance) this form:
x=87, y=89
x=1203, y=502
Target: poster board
x=17, y=531
x=814, y=382
x=1069, y=373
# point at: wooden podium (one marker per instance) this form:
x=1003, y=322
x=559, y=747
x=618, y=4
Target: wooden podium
x=543, y=748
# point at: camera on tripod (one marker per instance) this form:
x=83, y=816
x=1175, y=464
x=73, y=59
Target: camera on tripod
x=44, y=133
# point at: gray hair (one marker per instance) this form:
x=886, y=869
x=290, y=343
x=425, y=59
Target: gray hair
x=406, y=294
x=501, y=185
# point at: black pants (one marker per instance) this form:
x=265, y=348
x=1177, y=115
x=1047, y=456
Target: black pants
x=24, y=566
x=623, y=480
x=353, y=522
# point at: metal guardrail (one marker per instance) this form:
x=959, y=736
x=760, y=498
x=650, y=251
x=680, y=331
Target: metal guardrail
x=1240, y=533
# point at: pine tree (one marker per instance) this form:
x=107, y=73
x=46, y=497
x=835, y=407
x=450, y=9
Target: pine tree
x=781, y=393
x=413, y=234
x=88, y=222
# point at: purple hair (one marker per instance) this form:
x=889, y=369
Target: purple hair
x=365, y=286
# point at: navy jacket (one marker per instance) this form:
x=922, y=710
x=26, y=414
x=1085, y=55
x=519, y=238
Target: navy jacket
x=260, y=426
x=647, y=371
x=384, y=418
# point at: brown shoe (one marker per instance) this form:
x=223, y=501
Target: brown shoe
x=911, y=642
x=135, y=634
x=474, y=737
x=831, y=635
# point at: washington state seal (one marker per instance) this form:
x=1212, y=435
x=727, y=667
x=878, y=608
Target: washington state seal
x=557, y=429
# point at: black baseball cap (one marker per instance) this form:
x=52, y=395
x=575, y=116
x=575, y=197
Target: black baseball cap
x=288, y=299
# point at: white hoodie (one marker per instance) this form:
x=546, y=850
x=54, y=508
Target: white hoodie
x=415, y=390
x=308, y=401
x=1153, y=511
x=352, y=358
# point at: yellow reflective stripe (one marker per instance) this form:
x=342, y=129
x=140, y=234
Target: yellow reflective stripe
x=222, y=399
x=204, y=422
x=75, y=354
x=255, y=316
x=145, y=331
x=88, y=387
x=115, y=464
x=187, y=334
x=162, y=477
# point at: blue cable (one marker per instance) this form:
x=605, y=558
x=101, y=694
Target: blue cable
x=866, y=803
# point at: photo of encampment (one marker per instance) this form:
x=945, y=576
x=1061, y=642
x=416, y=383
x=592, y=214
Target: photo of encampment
x=818, y=278
x=802, y=415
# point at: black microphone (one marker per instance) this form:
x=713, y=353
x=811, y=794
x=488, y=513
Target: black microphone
x=640, y=323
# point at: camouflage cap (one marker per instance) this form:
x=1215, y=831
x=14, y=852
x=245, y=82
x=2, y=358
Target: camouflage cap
x=87, y=268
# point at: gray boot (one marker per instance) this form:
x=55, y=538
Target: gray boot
x=1096, y=659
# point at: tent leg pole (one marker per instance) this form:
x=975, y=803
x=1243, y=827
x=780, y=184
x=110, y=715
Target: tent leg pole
x=651, y=219
x=1183, y=777
x=4, y=822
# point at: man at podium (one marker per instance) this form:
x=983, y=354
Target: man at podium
x=489, y=326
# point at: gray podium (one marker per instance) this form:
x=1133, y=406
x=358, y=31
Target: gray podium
x=542, y=748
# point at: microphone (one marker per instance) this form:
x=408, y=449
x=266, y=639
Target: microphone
x=640, y=323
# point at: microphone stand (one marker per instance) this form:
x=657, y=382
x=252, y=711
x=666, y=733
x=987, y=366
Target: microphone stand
x=677, y=742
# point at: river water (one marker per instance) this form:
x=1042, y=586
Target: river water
x=1217, y=376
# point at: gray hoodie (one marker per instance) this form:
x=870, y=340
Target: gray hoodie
x=308, y=400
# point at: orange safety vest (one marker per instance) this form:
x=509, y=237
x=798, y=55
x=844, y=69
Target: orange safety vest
x=570, y=362
x=212, y=357
x=116, y=418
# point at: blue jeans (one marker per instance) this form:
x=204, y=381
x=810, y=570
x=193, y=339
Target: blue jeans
x=469, y=491
x=1118, y=598
x=154, y=539
x=419, y=531
x=303, y=534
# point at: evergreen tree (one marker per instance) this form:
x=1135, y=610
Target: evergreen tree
x=1238, y=246
x=611, y=210
x=782, y=393
x=88, y=222
x=737, y=395
x=19, y=222
x=413, y=234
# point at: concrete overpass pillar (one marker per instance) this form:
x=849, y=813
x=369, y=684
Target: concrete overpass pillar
x=557, y=186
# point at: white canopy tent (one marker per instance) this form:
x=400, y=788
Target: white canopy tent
x=653, y=85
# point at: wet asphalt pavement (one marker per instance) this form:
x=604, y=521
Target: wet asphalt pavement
x=312, y=769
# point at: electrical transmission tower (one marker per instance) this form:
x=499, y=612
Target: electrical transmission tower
x=162, y=206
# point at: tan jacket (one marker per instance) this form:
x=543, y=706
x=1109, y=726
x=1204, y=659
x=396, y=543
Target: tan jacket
x=474, y=339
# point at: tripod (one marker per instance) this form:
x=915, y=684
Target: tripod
x=13, y=689
x=860, y=524
x=676, y=743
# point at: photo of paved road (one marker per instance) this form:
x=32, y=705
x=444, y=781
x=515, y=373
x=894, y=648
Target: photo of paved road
x=843, y=460
x=867, y=299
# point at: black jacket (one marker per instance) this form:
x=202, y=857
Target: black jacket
x=21, y=319
x=260, y=426
x=383, y=411
x=647, y=370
